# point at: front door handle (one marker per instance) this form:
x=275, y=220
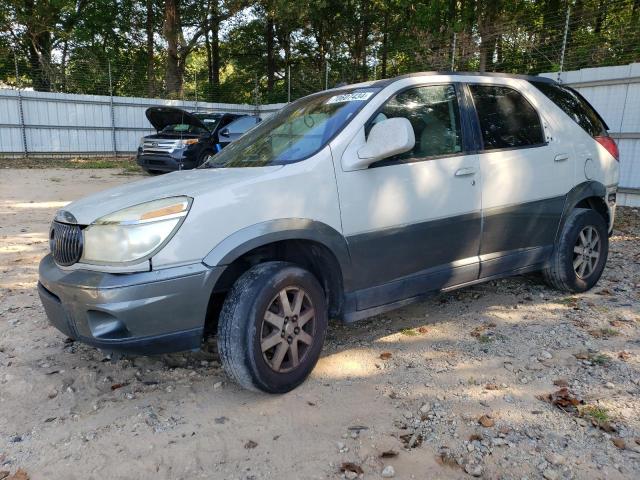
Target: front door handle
x=561, y=157
x=463, y=172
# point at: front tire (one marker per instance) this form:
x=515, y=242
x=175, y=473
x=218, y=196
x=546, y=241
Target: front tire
x=581, y=253
x=272, y=327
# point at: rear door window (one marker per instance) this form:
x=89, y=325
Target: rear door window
x=574, y=105
x=507, y=119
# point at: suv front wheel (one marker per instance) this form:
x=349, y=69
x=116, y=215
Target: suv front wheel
x=272, y=327
x=580, y=254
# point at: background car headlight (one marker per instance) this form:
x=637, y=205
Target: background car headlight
x=134, y=233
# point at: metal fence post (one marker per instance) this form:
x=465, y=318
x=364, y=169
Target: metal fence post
x=326, y=75
x=564, y=40
x=453, y=53
x=288, y=83
x=113, y=115
x=195, y=81
x=23, y=130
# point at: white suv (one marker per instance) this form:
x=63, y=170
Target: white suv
x=345, y=204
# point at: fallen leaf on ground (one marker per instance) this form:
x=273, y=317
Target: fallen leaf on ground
x=624, y=355
x=19, y=475
x=491, y=386
x=351, y=467
x=475, y=436
x=389, y=454
x=423, y=330
x=619, y=442
x=486, y=421
x=603, y=425
x=582, y=355
x=386, y=355
x=116, y=386
x=561, y=382
x=250, y=444
x=563, y=399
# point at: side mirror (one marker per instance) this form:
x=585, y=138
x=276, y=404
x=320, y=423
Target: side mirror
x=386, y=139
x=224, y=132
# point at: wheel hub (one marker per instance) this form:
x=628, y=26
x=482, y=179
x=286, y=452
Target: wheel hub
x=586, y=252
x=288, y=329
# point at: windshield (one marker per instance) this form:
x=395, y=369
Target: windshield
x=210, y=120
x=294, y=133
x=183, y=128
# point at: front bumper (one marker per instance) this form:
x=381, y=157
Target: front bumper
x=144, y=313
x=165, y=163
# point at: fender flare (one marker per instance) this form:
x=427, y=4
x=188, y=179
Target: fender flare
x=578, y=193
x=259, y=234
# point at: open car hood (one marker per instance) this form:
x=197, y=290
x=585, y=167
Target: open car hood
x=160, y=117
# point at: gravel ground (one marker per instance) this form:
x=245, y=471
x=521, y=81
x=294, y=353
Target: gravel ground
x=508, y=379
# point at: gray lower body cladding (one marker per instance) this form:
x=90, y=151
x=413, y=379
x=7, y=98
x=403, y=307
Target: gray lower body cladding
x=149, y=312
x=395, y=264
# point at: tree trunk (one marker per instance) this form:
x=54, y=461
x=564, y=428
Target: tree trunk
x=364, y=39
x=174, y=74
x=484, y=51
x=488, y=14
x=63, y=64
x=39, y=47
x=151, y=84
x=599, y=18
x=214, y=78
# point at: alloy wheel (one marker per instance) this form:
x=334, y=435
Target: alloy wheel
x=288, y=329
x=586, y=252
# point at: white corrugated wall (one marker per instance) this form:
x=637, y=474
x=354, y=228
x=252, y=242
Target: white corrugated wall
x=59, y=123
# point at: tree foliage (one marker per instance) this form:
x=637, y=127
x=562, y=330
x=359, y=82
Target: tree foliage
x=255, y=50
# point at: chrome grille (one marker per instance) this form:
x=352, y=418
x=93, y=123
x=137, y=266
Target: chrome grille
x=65, y=242
x=159, y=146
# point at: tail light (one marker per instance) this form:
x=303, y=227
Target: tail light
x=610, y=144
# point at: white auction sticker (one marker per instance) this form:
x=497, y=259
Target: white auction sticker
x=350, y=97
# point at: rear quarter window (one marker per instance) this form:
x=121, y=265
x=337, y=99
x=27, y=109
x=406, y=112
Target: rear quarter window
x=574, y=105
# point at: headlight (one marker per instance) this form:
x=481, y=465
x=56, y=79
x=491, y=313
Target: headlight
x=189, y=141
x=141, y=142
x=134, y=233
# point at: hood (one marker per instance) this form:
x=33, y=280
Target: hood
x=160, y=117
x=192, y=183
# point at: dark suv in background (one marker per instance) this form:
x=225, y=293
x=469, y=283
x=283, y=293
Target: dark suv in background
x=184, y=140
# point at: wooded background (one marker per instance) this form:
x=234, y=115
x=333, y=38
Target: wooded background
x=240, y=51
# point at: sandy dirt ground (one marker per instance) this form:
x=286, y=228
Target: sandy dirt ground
x=453, y=387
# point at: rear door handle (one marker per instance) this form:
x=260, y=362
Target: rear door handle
x=463, y=172
x=561, y=157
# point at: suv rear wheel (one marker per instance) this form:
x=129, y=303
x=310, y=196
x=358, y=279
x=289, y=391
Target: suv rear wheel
x=272, y=327
x=580, y=254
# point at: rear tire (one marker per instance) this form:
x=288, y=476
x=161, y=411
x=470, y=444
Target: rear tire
x=580, y=254
x=272, y=327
